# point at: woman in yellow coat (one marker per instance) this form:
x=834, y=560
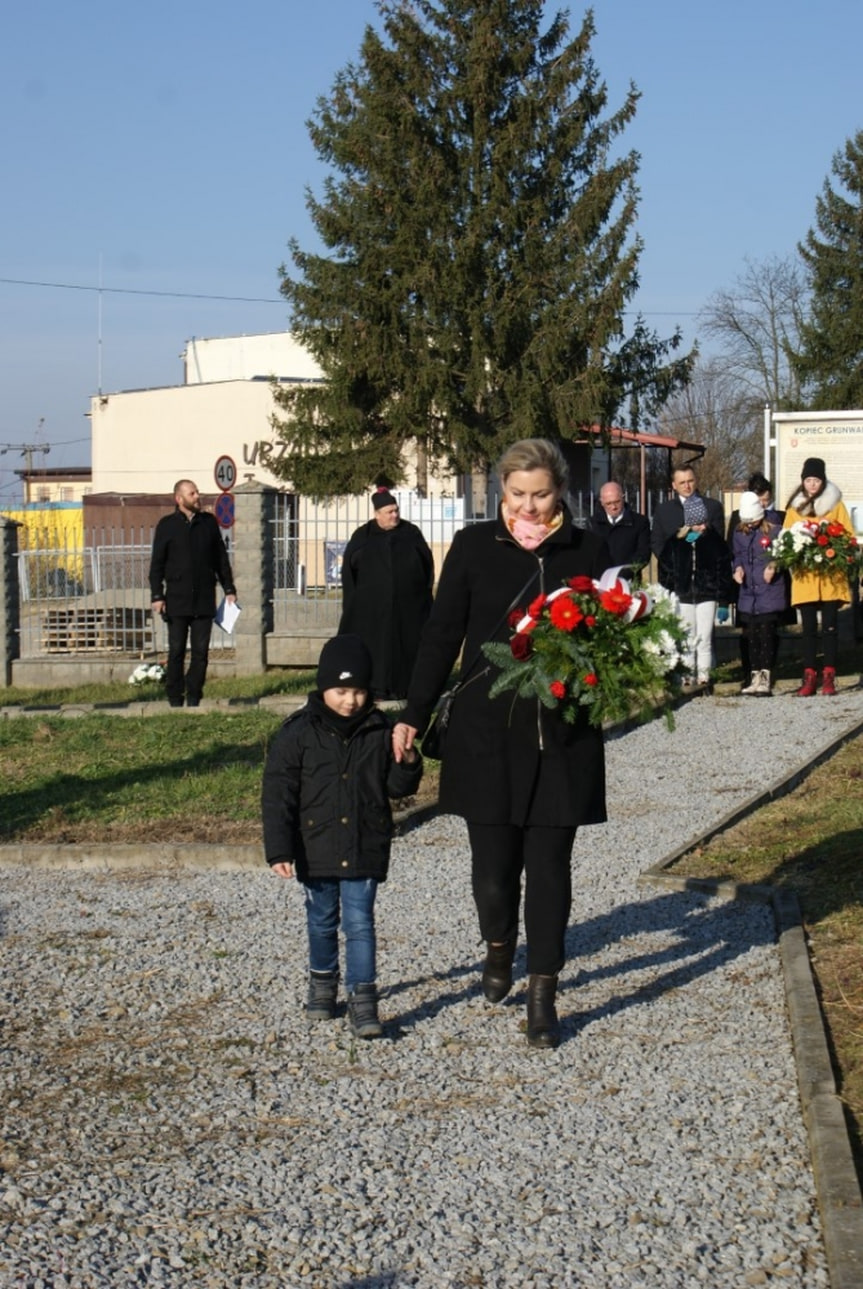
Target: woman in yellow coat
x=817, y=498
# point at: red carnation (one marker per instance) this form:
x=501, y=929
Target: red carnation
x=835, y=530
x=557, y=689
x=589, y=620
x=521, y=647
x=581, y=584
x=822, y=540
x=590, y=679
x=565, y=613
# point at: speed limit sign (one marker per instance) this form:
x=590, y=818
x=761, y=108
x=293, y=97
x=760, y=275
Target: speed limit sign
x=225, y=473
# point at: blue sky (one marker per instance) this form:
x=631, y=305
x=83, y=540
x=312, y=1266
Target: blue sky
x=165, y=147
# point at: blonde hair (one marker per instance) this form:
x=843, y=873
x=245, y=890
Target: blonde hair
x=535, y=454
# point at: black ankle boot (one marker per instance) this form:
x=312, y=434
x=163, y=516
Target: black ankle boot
x=323, y=987
x=497, y=971
x=363, y=1012
x=542, y=1024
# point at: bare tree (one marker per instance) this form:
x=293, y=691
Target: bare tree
x=757, y=324
x=717, y=411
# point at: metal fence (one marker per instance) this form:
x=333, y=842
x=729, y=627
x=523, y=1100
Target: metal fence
x=309, y=539
x=93, y=598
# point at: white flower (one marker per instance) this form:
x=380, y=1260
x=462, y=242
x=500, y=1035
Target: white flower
x=664, y=650
x=147, y=672
x=660, y=595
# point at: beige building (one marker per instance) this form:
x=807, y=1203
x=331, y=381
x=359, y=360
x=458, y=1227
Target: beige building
x=56, y=485
x=144, y=440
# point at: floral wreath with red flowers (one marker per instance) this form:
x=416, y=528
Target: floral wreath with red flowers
x=823, y=547
x=598, y=647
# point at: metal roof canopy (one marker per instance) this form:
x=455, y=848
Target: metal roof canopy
x=614, y=436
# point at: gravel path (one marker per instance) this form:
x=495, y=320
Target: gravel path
x=170, y=1118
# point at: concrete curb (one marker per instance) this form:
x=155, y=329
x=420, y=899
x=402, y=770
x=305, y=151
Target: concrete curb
x=160, y=857
x=840, y=1201
x=277, y=703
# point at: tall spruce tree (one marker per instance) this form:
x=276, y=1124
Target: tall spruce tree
x=481, y=255
x=829, y=361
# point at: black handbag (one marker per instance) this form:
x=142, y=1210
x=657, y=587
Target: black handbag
x=433, y=742
x=434, y=739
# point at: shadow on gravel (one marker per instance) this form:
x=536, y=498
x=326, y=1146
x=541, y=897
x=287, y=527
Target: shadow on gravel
x=708, y=937
x=439, y=1001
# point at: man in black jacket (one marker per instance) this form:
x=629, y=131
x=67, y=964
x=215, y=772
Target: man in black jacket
x=625, y=532
x=188, y=558
x=688, y=540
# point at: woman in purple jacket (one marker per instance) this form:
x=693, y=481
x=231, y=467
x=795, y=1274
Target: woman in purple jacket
x=763, y=596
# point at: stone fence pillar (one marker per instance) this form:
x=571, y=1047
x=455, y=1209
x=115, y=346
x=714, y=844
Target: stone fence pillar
x=254, y=573
x=10, y=600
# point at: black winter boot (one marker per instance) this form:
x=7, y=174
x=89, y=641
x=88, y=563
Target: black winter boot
x=323, y=987
x=542, y=1025
x=497, y=971
x=363, y=1012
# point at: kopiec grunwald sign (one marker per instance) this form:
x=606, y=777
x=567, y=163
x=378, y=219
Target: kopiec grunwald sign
x=835, y=436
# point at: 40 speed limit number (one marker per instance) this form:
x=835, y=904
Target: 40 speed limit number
x=225, y=473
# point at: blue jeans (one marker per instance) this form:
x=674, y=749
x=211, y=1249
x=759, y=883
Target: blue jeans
x=356, y=895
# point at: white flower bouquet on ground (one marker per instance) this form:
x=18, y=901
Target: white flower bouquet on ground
x=148, y=673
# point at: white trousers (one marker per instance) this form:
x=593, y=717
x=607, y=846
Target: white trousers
x=698, y=620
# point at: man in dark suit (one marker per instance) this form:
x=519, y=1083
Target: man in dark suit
x=624, y=531
x=188, y=558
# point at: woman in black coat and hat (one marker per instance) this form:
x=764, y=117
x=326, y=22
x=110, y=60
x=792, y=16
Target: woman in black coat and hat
x=522, y=778
x=387, y=580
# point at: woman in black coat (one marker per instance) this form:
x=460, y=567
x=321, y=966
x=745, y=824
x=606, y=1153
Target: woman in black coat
x=522, y=778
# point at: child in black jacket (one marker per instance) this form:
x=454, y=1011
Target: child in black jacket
x=328, y=781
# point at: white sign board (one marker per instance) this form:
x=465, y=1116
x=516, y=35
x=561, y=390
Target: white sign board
x=836, y=437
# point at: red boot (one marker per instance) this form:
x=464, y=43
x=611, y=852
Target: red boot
x=810, y=683
x=828, y=681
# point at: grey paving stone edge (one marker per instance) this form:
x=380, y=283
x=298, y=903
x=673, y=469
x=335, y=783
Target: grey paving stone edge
x=838, y=1189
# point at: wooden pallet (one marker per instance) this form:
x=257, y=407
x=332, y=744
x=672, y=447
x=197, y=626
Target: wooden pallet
x=117, y=630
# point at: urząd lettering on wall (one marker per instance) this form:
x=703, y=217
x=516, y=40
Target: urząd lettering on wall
x=835, y=436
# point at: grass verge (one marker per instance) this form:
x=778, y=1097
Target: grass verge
x=811, y=841
x=137, y=779
x=240, y=688
x=166, y=777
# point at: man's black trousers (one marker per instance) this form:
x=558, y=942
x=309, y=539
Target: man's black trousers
x=197, y=632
